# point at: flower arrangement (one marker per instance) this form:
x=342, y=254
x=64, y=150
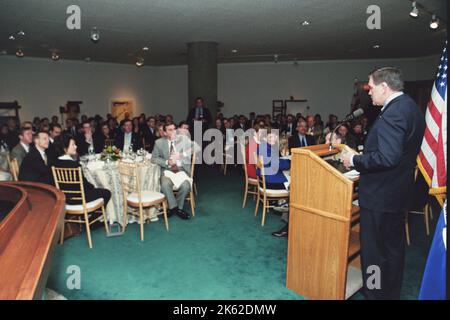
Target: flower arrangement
x=110, y=152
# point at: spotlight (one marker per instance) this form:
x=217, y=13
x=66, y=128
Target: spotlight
x=55, y=56
x=434, y=23
x=414, y=11
x=19, y=53
x=95, y=35
x=145, y=48
x=139, y=62
x=21, y=33
x=275, y=58
x=87, y=59
x=234, y=51
x=306, y=23
x=12, y=38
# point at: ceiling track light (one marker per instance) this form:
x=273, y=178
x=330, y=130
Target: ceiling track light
x=95, y=35
x=19, y=53
x=55, y=56
x=139, y=62
x=434, y=23
x=414, y=11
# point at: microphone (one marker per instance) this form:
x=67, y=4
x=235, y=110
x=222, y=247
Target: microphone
x=355, y=114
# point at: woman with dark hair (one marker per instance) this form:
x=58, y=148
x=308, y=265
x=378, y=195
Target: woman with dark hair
x=137, y=128
x=341, y=136
x=66, y=149
x=101, y=137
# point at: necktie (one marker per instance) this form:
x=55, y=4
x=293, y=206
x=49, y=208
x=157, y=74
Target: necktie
x=171, y=147
x=304, y=142
x=44, y=156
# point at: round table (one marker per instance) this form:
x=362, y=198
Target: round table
x=106, y=175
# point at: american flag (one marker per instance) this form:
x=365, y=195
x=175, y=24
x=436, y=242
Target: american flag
x=432, y=159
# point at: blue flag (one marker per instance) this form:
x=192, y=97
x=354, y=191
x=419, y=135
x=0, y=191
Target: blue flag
x=433, y=282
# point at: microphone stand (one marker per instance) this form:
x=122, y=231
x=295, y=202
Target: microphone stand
x=334, y=133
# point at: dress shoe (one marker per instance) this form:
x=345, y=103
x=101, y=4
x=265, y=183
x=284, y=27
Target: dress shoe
x=283, y=232
x=171, y=212
x=183, y=214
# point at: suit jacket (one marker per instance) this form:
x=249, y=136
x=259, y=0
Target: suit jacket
x=100, y=141
x=285, y=128
x=52, y=154
x=238, y=126
x=135, y=140
x=34, y=169
x=149, y=138
x=294, y=141
x=161, y=154
x=206, y=115
x=389, y=159
x=18, y=153
x=82, y=145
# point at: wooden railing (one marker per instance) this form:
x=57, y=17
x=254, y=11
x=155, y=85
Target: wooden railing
x=28, y=237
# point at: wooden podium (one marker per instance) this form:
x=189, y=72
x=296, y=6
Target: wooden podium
x=323, y=248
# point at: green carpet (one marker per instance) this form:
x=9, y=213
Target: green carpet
x=222, y=253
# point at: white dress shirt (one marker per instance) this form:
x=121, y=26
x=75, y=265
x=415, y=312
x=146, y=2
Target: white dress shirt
x=127, y=140
x=25, y=146
x=43, y=155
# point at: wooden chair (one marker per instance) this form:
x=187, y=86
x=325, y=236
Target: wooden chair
x=13, y=168
x=135, y=197
x=65, y=177
x=226, y=160
x=427, y=214
x=250, y=184
x=191, y=197
x=265, y=195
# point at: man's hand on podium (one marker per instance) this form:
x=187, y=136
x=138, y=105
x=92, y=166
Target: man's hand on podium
x=347, y=158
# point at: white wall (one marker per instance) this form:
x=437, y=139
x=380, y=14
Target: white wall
x=41, y=85
x=327, y=85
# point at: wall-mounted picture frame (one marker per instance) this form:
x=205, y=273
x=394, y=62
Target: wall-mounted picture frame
x=122, y=108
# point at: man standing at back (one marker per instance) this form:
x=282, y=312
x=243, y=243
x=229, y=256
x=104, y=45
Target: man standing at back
x=386, y=182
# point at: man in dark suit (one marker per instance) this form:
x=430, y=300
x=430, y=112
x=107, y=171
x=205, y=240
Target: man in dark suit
x=301, y=139
x=290, y=126
x=128, y=137
x=386, y=181
x=241, y=124
x=52, y=153
x=149, y=132
x=199, y=113
x=35, y=164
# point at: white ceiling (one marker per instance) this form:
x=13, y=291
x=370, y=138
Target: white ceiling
x=257, y=28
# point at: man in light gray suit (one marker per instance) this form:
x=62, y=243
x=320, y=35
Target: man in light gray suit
x=166, y=155
x=21, y=149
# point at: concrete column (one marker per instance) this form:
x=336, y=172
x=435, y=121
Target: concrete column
x=202, y=74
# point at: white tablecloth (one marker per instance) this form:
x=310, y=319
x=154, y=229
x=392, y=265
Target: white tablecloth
x=106, y=176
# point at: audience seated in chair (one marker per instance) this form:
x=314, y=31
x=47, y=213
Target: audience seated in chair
x=67, y=158
x=301, y=138
x=34, y=166
x=166, y=155
x=23, y=147
x=128, y=138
